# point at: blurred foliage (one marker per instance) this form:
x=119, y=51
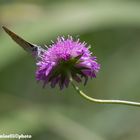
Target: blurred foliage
x=112, y=28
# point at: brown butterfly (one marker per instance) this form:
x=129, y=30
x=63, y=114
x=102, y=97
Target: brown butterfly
x=31, y=48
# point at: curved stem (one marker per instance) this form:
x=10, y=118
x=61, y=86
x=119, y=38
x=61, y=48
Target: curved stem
x=123, y=102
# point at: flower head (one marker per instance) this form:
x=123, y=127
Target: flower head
x=64, y=59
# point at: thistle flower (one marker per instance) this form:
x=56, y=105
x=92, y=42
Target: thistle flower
x=64, y=59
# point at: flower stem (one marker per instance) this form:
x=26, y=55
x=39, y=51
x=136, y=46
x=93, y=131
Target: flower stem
x=100, y=101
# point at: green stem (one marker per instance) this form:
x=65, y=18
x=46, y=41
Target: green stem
x=103, y=101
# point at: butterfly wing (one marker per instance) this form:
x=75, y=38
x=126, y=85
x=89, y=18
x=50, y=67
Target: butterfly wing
x=20, y=41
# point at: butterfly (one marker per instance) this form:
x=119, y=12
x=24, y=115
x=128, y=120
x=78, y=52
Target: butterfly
x=35, y=50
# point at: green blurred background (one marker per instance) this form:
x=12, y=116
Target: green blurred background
x=112, y=28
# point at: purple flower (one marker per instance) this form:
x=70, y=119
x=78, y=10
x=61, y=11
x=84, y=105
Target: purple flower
x=64, y=59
